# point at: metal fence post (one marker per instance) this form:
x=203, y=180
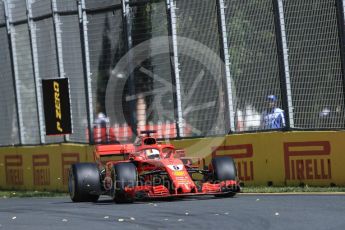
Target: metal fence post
x=283, y=62
x=34, y=54
x=340, y=4
x=58, y=40
x=225, y=56
x=86, y=65
x=172, y=64
x=15, y=86
x=127, y=28
x=59, y=54
x=57, y=37
x=177, y=89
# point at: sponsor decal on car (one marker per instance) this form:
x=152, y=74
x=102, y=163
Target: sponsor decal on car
x=179, y=173
x=176, y=167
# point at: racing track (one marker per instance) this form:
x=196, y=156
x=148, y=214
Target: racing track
x=242, y=212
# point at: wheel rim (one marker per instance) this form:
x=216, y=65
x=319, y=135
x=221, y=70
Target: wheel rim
x=71, y=184
x=113, y=187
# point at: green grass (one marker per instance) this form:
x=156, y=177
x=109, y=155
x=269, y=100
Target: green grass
x=291, y=189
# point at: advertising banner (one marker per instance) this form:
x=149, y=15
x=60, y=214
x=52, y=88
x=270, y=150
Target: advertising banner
x=275, y=158
x=57, y=111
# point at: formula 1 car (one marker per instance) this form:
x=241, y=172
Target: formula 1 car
x=148, y=169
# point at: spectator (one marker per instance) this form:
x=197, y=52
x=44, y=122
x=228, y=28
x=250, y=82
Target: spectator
x=102, y=121
x=272, y=117
x=100, y=128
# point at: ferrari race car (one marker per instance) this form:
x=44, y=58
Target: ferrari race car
x=147, y=169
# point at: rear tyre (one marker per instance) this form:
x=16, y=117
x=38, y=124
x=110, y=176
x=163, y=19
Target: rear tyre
x=84, y=182
x=224, y=169
x=124, y=175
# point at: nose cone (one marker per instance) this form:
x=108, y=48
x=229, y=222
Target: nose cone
x=186, y=188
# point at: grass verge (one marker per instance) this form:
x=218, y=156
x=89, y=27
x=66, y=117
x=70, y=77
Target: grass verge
x=288, y=189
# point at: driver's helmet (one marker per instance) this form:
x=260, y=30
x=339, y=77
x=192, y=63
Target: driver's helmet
x=152, y=153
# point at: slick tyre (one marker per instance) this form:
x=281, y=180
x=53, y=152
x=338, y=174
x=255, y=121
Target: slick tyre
x=224, y=169
x=84, y=182
x=124, y=175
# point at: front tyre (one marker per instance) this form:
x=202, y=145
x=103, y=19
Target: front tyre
x=84, y=182
x=124, y=175
x=224, y=169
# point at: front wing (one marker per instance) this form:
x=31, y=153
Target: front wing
x=160, y=191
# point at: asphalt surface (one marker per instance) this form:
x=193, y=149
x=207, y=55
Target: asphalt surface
x=242, y=212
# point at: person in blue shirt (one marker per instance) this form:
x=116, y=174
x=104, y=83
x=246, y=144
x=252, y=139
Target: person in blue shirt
x=101, y=121
x=101, y=128
x=272, y=117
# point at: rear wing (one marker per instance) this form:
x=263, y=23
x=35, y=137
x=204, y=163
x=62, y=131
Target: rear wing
x=113, y=150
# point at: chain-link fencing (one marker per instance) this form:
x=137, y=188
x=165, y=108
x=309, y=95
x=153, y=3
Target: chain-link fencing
x=185, y=68
x=315, y=64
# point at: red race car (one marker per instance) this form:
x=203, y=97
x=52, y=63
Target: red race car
x=147, y=169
